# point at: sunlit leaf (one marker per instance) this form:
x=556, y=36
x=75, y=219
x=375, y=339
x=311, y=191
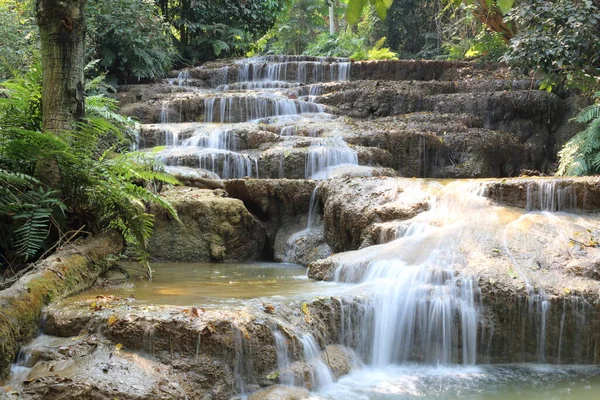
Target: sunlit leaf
x=505, y=5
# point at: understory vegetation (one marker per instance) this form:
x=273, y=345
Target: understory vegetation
x=103, y=184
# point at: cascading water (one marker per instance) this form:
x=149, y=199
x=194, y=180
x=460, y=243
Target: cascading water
x=421, y=308
x=325, y=156
x=211, y=148
x=259, y=90
x=242, y=108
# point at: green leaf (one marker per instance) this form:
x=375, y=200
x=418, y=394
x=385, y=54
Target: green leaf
x=381, y=8
x=505, y=5
x=354, y=11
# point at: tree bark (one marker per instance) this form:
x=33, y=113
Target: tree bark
x=62, y=31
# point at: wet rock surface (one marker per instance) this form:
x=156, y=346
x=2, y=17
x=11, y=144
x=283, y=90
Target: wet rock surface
x=404, y=115
x=279, y=392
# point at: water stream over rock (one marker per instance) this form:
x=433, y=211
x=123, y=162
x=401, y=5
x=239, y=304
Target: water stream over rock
x=416, y=288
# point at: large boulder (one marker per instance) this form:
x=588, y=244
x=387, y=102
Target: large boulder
x=212, y=227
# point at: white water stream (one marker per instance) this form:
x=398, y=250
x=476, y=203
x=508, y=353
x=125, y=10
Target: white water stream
x=256, y=93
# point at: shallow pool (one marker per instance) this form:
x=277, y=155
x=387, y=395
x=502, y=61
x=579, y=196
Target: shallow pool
x=185, y=284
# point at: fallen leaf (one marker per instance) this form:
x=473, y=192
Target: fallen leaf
x=111, y=320
x=269, y=308
x=208, y=329
x=305, y=309
x=245, y=332
x=118, y=346
x=197, y=311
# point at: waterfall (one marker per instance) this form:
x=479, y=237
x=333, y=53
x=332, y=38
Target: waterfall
x=420, y=309
x=212, y=138
x=250, y=107
x=182, y=78
x=286, y=377
x=324, y=156
x=320, y=373
x=302, y=69
x=550, y=196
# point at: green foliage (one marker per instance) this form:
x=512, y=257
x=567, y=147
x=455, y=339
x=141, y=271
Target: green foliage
x=343, y=45
x=486, y=46
x=206, y=29
x=26, y=213
x=377, y=52
x=355, y=9
x=129, y=38
x=299, y=26
x=581, y=154
x=412, y=28
x=18, y=37
x=349, y=45
x=102, y=184
x=560, y=39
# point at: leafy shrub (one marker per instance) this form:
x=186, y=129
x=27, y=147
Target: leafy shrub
x=129, y=38
x=299, y=25
x=486, y=46
x=348, y=45
x=377, y=52
x=26, y=213
x=18, y=37
x=560, y=39
x=206, y=29
x=581, y=154
x=342, y=45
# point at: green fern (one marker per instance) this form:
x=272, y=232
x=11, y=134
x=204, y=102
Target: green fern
x=581, y=154
x=26, y=210
x=103, y=184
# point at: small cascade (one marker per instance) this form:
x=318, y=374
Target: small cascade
x=212, y=138
x=260, y=85
x=314, y=91
x=182, y=78
x=242, y=108
x=211, y=148
x=550, y=196
x=313, y=215
x=227, y=164
x=298, y=69
x=325, y=156
x=538, y=309
x=288, y=131
x=320, y=373
x=171, y=137
x=286, y=377
x=292, y=245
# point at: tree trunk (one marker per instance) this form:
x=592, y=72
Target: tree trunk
x=62, y=31
x=332, y=26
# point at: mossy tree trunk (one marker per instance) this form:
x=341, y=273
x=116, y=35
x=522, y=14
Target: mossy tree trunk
x=62, y=31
